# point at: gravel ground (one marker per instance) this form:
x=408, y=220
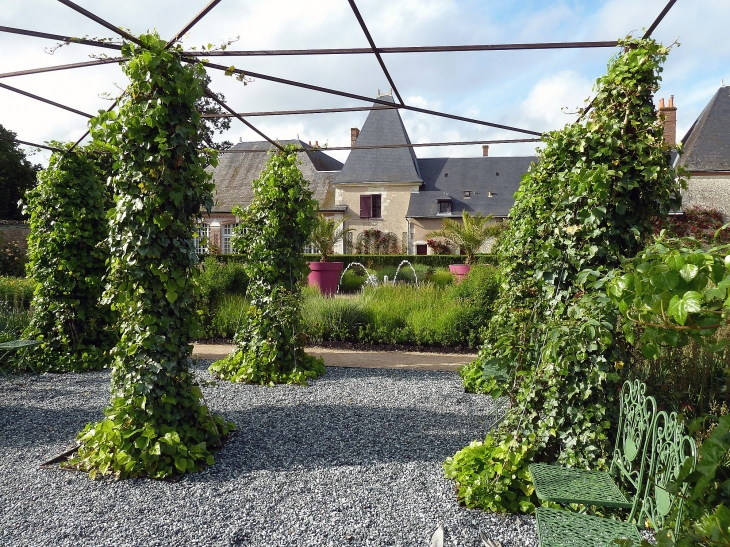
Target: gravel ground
x=353, y=459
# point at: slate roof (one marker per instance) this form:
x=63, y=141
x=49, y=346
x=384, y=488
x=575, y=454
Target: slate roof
x=235, y=171
x=382, y=126
x=477, y=175
x=707, y=143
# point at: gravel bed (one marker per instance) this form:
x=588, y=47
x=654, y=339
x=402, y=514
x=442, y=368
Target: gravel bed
x=353, y=459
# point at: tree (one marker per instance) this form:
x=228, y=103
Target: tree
x=326, y=233
x=552, y=345
x=470, y=234
x=17, y=175
x=157, y=423
x=273, y=233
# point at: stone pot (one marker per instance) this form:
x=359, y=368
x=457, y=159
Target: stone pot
x=460, y=271
x=326, y=276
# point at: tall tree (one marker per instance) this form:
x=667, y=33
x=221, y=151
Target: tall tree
x=17, y=175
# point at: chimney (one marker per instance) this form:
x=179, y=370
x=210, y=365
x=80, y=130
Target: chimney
x=485, y=150
x=316, y=144
x=354, y=134
x=668, y=114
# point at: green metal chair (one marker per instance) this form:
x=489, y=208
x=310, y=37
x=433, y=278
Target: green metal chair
x=670, y=448
x=20, y=346
x=567, y=485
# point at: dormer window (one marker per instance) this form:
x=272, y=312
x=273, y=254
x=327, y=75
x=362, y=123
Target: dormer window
x=467, y=193
x=444, y=206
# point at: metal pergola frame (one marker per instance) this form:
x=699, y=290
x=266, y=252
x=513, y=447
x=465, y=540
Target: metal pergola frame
x=193, y=57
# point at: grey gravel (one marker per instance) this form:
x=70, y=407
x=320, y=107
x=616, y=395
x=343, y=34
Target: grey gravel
x=353, y=459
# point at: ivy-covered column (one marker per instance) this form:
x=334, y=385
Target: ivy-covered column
x=156, y=424
x=553, y=345
x=67, y=257
x=274, y=231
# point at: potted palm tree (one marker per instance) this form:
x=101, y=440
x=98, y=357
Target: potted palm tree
x=326, y=233
x=469, y=236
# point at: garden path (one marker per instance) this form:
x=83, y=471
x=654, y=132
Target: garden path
x=361, y=359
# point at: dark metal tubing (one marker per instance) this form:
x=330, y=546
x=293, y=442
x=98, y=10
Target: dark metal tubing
x=67, y=39
x=37, y=98
x=32, y=144
x=294, y=112
x=63, y=67
x=372, y=147
x=364, y=28
x=658, y=20
x=211, y=95
x=363, y=98
x=194, y=21
x=414, y=49
x=101, y=21
x=647, y=34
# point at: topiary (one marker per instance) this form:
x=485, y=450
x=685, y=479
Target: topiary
x=585, y=206
x=274, y=231
x=156, y=424
x=67, y=257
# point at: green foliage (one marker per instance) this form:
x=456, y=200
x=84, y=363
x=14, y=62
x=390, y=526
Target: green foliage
x=326, y=233
x=469, y=235
x=274, y=230
x=380, y=261
x=16, y=176
x=227, y=318
x=17, y=291
x=676, y=293
x=402, y=314
x=67, y=257
x=156, y=424
x=352, y=281
x=375, y=242
x=441, y=277
x=552, y=343
x=218, y=281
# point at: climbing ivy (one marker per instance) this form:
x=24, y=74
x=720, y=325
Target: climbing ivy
x=273, y=233
x=156, y=423
x=67, y=257
x=552, y=345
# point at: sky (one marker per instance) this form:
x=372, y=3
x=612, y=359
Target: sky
x=536, y=90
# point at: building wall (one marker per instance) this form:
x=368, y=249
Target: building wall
x=421, y=226
x=708, y=190
x=15, y=232
x=394, y=206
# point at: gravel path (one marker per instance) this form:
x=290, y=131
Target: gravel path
x=354, y=459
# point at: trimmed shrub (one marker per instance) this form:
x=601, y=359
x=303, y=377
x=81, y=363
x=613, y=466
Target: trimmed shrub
x=375, y=262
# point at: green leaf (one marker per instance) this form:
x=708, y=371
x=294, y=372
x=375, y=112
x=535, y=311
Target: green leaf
x=688, y=272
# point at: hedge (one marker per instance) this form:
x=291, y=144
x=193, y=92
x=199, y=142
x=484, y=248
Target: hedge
x=381, y=261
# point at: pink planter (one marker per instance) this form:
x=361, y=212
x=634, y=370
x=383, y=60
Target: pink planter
x=460, y=271
x=325, y=275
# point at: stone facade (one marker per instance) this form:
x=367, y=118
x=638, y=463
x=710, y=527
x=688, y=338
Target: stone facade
x=709, y=190
x=15, y=232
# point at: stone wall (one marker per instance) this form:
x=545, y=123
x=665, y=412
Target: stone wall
x=709, y=190
x=15, y=232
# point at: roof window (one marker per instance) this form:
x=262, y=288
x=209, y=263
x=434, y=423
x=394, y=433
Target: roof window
x=444, y=206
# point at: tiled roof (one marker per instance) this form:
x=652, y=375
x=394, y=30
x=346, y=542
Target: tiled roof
x=235, y=171
x=382, y=126
x=707, y=143
x=451, y=177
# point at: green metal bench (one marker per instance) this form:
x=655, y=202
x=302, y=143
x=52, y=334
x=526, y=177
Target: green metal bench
x=20, y=346
x=670, y=448
x=568, y=485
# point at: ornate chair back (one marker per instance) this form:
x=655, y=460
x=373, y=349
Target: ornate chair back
x=636, y=423
x=669, y=450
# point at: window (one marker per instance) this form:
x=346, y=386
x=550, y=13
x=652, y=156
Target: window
x=421, y=249
x=444, y=206
x=370, y=206
x=201, y=242
x=227, y=234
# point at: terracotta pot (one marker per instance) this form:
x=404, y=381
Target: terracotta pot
x=460, y=271
x=325, y=275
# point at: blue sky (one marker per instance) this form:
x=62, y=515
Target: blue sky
x=524, y=89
